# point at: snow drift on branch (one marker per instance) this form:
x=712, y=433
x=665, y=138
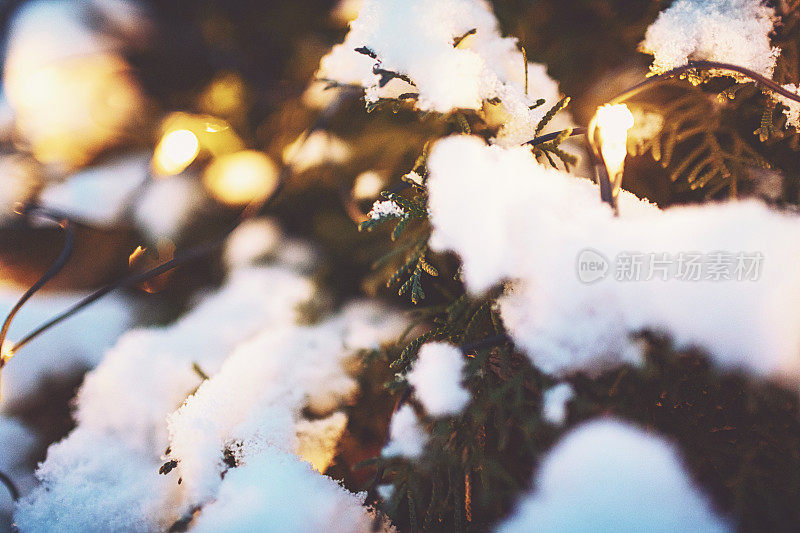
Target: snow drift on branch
x=260, y=395
x=730, y=31
x=416, y=38
x=243, y=375
x=512, y=219
x=609, y=476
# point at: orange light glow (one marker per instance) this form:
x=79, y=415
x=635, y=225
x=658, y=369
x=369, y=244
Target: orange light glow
x=241, y=177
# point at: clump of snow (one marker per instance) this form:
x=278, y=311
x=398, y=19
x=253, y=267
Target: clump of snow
x=437, y=379
x=259, y=395
x=584, y=280
x=385, y=208
x=68, y=349
x=416, y=38
x=252, y=240
x=609, y=476
x=96, y=482
x=728, y=31
x=317, y=149
x=148, y=373
x=275, y=491
x=168, y=205
x=122, y=407
x=407, y=438
x=555, y=399
x=99, y=195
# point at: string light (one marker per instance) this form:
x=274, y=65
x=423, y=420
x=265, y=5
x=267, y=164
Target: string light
x=608, y=137
x=176, y=151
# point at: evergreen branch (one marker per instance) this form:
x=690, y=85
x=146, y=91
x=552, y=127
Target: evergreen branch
x=564, y=102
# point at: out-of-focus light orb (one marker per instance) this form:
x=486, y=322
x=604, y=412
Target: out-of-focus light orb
x=176, y=151
x=240, y=178
x=72, y=92
x=185, y=136
x=226, y=96
x=368, y=185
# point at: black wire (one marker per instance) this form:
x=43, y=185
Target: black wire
x=552, y=136
x=10, y=485
x=55, y=268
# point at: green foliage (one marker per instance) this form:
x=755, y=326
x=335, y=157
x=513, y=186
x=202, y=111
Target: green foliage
x=551, y=113
x=553, y=147
x=475, y=464
x=700, y=146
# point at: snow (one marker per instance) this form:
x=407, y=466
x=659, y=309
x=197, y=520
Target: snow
x=729, y=31
x=257, y=399
x=437, y=379
x=609, y=476
x=93, y=482
x=68, y=349
x=99, y=195
x=555, y=399
x=385, y=208
x=406, y=437
x=416, y=38
x=275, y=491
x=148, y=373
x=121, y=409
x=572, y=306
x=266, y=374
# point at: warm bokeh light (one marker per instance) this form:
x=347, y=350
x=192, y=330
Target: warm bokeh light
x=226, y=97
x=176, y=151
x=613, y=122
x=185, y=136
x=241, y=177
x=70, y=111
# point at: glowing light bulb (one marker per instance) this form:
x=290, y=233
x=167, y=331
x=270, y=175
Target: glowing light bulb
x=608, y=134
x=241, y=177
x=176, y=151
